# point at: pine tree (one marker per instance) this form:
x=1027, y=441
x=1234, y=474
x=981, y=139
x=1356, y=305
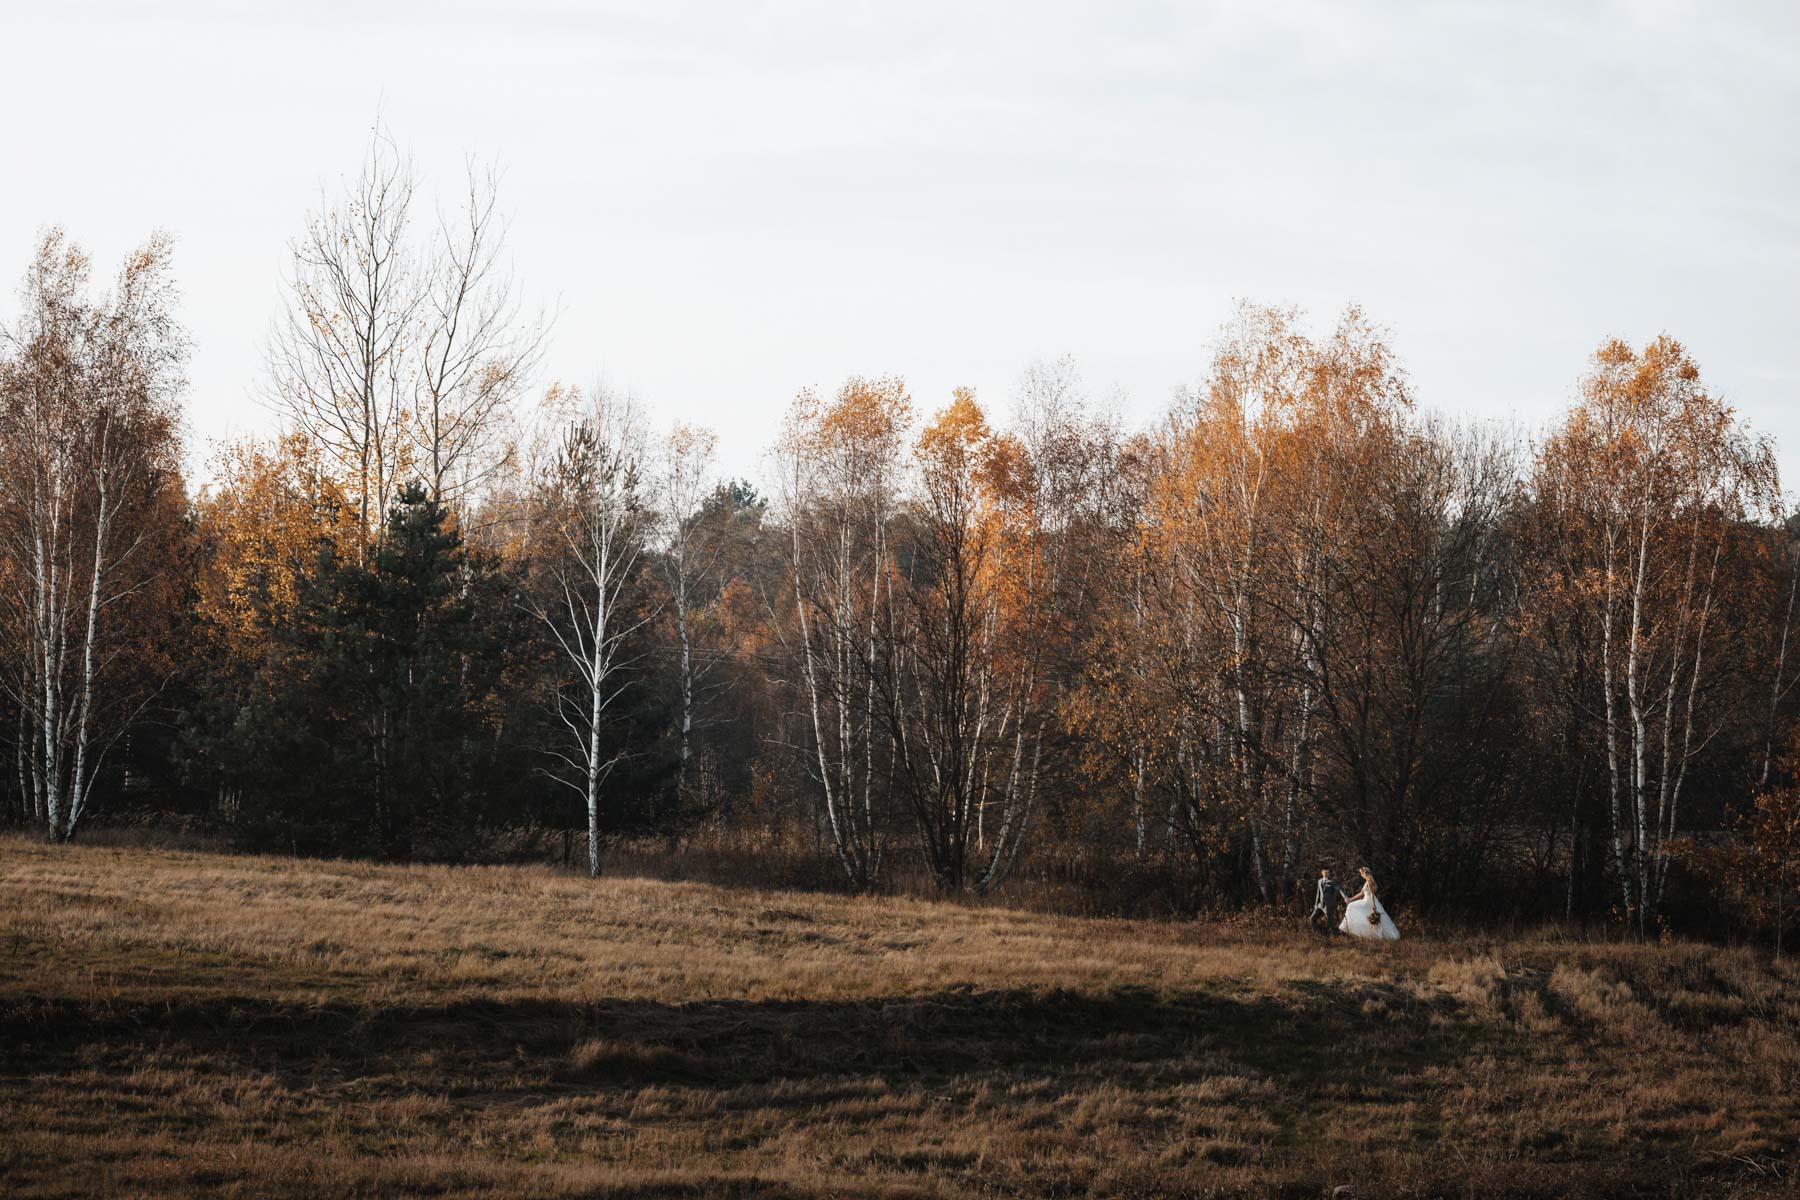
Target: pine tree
x=363, y=731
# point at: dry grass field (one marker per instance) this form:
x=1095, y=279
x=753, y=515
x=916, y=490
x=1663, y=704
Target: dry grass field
x=179, y=1023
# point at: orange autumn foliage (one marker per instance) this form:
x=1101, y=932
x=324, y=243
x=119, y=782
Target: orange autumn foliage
x=263, y=520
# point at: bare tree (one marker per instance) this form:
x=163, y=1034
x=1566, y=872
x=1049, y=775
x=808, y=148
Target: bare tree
x=1409, y=653
x=478, y=349
x=88, y=456
x=339, y=364
x=588, y=551
x=403, y=360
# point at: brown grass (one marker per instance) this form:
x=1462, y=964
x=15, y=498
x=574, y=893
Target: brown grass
x=179, y=1023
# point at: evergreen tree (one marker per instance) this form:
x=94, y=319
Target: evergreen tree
x=368, y=728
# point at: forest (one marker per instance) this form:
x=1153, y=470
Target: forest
x=451, y=612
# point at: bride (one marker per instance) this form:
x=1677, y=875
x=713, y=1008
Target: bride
x=1363, y=915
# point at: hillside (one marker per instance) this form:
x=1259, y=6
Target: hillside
x=180, y=1023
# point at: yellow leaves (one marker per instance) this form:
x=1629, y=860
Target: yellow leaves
x=951, y=448
x=692, y=442
x=958, y=427
x=845, y=451
x=1646, y=437
x=867, y=413
x=272, y=505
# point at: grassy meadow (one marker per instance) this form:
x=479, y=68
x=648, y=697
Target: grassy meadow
x=185, y=1023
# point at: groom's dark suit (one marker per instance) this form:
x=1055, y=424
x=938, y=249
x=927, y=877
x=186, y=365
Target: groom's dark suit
x=1327, y=899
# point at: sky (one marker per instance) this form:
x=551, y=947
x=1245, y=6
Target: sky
x=728, y=202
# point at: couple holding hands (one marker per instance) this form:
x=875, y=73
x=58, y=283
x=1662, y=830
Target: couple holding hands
x=1363, y=915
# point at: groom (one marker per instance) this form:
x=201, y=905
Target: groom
x=1328, y=899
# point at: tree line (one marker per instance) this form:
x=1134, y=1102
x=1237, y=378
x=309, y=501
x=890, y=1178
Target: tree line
x=1299, y=618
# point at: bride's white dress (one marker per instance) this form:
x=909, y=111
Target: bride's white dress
x=1356, y=920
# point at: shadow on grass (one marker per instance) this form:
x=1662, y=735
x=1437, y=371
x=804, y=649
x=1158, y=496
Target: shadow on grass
x=1292, y=1061
x=1293, y=1040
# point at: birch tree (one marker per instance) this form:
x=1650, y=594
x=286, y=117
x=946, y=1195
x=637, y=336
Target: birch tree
x=839, y=471
x=1221, y=514
x=1049, y=487
x=588, y=551
x=90, y=494
x=968, y=675
x=1206, y=672
x=943, y=695
x=689, y=559
x=1646, y=484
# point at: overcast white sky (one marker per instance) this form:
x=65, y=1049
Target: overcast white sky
x=733, y=201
